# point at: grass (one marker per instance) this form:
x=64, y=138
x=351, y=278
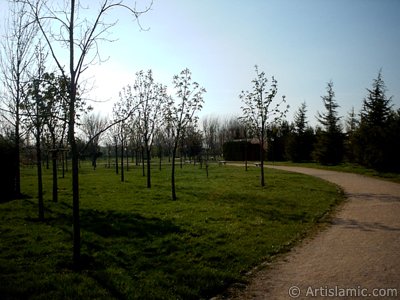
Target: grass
x=349, y=168
x=139, y=244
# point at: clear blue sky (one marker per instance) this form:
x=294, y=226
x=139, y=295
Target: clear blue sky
x=304, y=44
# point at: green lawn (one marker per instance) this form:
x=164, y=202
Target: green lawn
x=139, y=244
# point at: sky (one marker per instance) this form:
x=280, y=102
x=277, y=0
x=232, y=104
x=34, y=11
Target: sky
x=303, y=44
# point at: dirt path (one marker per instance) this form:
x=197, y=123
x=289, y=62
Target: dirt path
x=358, y=253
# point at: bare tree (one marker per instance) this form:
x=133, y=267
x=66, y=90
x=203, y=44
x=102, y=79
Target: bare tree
x=150, y=99
x=91, y=125
x=258, y=111
x=70, y=33
x=16, y=56
x=122, y=111
x=181, y=113
x=211, y=127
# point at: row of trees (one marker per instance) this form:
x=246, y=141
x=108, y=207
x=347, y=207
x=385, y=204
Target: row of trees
x=333, y=141
x=71, y=37
x=50, y=105
x=369, y=138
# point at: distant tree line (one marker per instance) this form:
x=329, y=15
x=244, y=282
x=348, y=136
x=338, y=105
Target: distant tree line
x=370, y=138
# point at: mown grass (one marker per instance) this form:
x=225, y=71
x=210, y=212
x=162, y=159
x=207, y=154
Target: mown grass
x=139, y=244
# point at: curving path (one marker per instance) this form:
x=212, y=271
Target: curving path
x=359, y=251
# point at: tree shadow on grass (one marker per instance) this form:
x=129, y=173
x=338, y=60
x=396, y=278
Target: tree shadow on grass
x=117, y=224
x=119, y=247
x=114, y=232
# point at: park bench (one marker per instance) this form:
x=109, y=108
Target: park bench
x=221, y=162
x=257, y=164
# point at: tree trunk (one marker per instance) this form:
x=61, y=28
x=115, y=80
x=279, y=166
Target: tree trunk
x=173, y=173
x=245, y=154
x=75, y=200
x=160, y=162
x=127, y=159
x=74, y=148
x=122, y=162
x=17, y=142
x=47, y=160
x=143, y=168
x=262, y=161
x=148, y=150
x=63, y=157
x=17, y=187
x=39, y=177
x=116, y=157
x=55, y=179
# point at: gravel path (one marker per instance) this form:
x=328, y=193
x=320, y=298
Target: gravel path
x=357, y=257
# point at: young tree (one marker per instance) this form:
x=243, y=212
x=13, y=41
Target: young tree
x=180, y=113
x=329, y=146
x=55, y=91
x=67, y=28
x=150, y=99
x=122, y=110
x=35, y=105
x=258, y=111
x=16, y=56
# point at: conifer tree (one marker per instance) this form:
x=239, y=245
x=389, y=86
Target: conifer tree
x=301, y=139
x=329, y=145
x=374, y=142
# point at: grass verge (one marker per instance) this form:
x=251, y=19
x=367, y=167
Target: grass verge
x=346, y=167
x=139, y=244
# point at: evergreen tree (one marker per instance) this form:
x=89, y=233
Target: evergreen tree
x=377, y=107
x=329, y=146
x=351, y=127
x=374, y=141
x=300, y=119
x=301, y=139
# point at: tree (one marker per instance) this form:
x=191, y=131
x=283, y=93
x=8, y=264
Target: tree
x=210, y=131
x=278, y=140
x=193, y=143
x=80, y=37
x=121, y=111
x=55, y=93
x=180, y=112
x=373, y=138
x=329, y=145
x=91, y=125
x=301, y=138
x=35, y=104
x=351, y=128
x=258, y=111
x=150, y=99
x=377, y=107
x=15, y=58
